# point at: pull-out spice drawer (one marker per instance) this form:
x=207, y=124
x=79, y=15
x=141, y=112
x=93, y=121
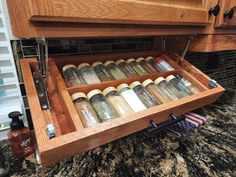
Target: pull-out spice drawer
x=71, y=136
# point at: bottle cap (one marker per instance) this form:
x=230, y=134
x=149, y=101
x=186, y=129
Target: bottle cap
x=140, y=59
x=130, y=60
x=120, y=61
x=97, y=63
x=158, y=80
x=108, y=62
x=93, y=92
x=149, y=58
x=169, y=78
x=146, y=82
x=134, y=84
x=121, y=86
x=16, y=123
x=78, y=95
x=108, y=90
x=67, y=67
x=83, y=65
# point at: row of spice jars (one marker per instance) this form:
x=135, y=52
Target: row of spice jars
x=100, y=106
x=110, y=70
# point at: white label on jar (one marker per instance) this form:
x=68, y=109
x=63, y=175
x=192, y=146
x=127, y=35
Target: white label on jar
x=133, y=100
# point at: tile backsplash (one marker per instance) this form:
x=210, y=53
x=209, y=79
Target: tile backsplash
x=220, y=66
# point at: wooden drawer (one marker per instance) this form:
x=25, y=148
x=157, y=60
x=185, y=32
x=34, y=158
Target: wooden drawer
x=72, y=138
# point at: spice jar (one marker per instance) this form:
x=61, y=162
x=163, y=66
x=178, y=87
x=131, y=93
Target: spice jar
x=114, y=70
x=131, y=98
x=117, y=101
x=162, y=84
x=155, y=91
x=151, y=61
x=102, y=107
x=84, y=109
x=72, y=76
x=101, y=71
x=188, y=84
x=88, y=73
x=179, y=85
x=147, y=98
x=126, y=68
x=147, y=66
x=137, y=67
x=162, y=65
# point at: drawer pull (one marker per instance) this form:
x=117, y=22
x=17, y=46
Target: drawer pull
x=158, y=127
x=229, y=13
x=212, y=84
x=214, y=10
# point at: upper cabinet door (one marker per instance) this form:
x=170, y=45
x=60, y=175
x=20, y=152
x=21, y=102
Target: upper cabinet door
x=168, y=12
x=227, y=16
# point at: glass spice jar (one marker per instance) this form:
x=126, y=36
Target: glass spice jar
x=161, y=83
x=179, y=85
x=114, y=70
x=101, y=71
x=151, y=61
x=162, y=65
x=84, y=109
x=72, y=76
x=117, y=101
x=147, y=66
x=137, y=67
x=155, y=91
x=102, y=107
x=126, y=68
x=131, y=98
x=88, y=73
x=188, y=84
x=147, y=98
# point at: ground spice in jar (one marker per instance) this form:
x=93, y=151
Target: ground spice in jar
x=131, y=98
x=126, y=68
x=103, y=108
x=114, y=70
x=88, y=73
x=101, y=71
x=137, y=67
x=72, y=76
x=84, y=109
x=117, y=101
x=147, y=98
x=148, y=67
x=152, y=88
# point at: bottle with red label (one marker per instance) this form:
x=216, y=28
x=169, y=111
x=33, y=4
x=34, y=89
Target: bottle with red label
x=161, y=65
x=19, y=137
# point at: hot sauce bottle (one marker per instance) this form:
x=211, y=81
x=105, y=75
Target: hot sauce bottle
x=19, y=137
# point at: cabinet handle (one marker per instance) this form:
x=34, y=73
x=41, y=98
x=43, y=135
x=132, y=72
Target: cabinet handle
x=214, y=10
x=229, y=13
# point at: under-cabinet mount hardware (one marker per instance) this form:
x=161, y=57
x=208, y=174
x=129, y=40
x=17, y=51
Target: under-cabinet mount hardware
x=185, y=49
x=158, y=127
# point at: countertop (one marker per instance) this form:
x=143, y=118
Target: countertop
x=206, y=151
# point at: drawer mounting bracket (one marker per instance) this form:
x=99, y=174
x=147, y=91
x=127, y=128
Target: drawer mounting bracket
x=185, y=49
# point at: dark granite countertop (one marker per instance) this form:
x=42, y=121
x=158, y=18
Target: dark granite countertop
x=207, y=151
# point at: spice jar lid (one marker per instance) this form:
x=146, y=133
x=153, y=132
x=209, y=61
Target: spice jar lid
x=97, y=63
x=108, y=90
x=134, y=84
x=169, y=78
x=78, y=95
x=83, y=65
x=149, y=58
x=93, y=92
x=67, y=67
x=130, y=60
x=120, y=61
x=121, y=86
x=158, y=80
x=140, y=59
x=146, y=82
x=108, y=62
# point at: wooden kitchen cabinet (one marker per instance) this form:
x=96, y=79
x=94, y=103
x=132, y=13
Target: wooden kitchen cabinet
x=227, y=15
x=71, y=137
x=181, y=12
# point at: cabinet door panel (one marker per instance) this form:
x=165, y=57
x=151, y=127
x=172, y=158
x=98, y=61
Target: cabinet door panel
x=184, y=12
x=222, y=21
